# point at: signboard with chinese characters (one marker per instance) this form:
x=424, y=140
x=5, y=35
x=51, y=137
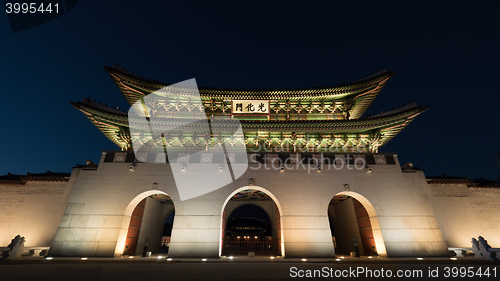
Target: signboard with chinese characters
x=250, y=107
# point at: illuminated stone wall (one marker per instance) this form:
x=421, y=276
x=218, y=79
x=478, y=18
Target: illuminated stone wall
x=464, y=212
x=33, y=210
x=96, y=220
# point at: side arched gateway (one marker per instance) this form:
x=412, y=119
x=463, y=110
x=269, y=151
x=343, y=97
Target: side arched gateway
x=354, y=225
x=144, y=223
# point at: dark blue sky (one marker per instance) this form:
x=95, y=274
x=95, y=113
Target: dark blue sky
x=445, y=56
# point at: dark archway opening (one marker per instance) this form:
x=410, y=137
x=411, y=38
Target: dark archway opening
x=167, y=233
x=147, y=226
x=249, y=220
x=251, y=223
x=350, y=227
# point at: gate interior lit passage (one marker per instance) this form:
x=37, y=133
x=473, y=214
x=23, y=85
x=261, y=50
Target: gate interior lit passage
x=351, y=227
x=251, y=223
x=151, y=219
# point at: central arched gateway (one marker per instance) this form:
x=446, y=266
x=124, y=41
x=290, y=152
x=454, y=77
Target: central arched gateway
x=251, y=222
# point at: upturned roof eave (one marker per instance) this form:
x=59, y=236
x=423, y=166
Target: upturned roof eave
x=120, y=76
x=348, y=126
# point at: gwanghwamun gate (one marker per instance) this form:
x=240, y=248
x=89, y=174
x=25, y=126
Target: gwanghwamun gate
x=210, y=172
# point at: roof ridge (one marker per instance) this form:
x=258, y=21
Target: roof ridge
x=367, y=78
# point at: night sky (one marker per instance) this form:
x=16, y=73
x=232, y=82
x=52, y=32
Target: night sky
x=446, y=57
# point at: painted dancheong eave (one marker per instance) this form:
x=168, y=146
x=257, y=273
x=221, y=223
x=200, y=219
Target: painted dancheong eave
x=376, y=130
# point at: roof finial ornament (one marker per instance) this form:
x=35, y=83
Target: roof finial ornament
x=407, y=166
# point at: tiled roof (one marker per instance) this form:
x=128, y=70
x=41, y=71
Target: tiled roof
x=114, y=124
x=22, y=179
x=99, y=116
x=477, y=183
x=362, y=92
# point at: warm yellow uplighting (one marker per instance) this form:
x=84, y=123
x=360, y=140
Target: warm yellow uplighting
x=84, y=259
x=304, y=259
x=231, y=258
x=453, y=259
x=272, y=258
x=420, y=259
x=341, y=257
x=370, y=257
x=131, y=257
